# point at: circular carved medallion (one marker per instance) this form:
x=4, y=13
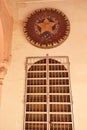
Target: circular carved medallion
x=47, y=28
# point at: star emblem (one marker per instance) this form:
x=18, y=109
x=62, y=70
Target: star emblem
x=46, y=25
x=46, y=28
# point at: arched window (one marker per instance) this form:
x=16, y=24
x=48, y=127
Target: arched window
x=48, y=104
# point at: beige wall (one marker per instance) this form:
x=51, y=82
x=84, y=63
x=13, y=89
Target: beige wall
x=75, y=47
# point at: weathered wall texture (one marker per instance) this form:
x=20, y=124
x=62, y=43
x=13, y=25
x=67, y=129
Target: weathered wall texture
x=75, y=47
x=6, y=25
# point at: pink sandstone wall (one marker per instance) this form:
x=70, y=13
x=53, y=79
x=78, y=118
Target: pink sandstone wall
x=12, y=98
x=6, y=24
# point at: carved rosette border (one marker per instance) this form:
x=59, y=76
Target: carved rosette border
x=47, y=39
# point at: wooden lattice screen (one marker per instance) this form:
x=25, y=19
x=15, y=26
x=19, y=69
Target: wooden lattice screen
x=48, y=100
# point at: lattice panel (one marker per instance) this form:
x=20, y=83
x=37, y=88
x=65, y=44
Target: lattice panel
x=48, y=100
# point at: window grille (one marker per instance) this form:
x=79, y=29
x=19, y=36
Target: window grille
x=48, y=100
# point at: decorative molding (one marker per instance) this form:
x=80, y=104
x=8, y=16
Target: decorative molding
x=46, y=27
x=36, y=1
x=6, y=28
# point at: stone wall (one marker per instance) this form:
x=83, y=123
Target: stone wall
x=6, y=25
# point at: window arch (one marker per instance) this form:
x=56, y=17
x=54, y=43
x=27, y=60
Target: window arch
x=48, y=104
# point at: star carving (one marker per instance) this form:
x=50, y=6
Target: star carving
x=46, y=28
x=46, y=25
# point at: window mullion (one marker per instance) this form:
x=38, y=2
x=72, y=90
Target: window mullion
x=48, y=105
